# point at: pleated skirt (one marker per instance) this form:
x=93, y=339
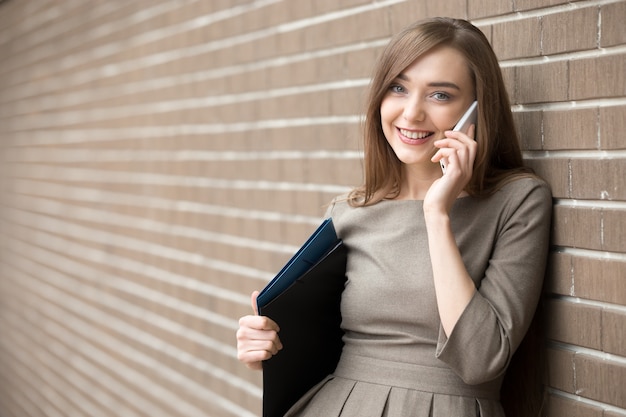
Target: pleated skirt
x=367, y=387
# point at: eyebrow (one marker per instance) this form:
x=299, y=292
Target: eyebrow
x=434, y=83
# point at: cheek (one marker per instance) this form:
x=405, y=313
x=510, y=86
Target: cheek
x=443, y=120
x=388, y=113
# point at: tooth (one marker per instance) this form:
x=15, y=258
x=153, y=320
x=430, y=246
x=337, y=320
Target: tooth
x=413, y=135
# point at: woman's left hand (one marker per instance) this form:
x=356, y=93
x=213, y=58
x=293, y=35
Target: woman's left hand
x=459, y=150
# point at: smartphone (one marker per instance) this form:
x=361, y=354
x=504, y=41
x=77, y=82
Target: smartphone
x=463, y=125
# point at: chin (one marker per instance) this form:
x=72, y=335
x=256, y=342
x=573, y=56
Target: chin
x=414, y=158
x=413, y=161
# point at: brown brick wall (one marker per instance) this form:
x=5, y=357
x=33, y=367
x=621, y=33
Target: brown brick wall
x=162, y=159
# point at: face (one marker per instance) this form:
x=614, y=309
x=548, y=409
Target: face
x=427, y=98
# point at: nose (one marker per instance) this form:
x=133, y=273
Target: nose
x=413, y=110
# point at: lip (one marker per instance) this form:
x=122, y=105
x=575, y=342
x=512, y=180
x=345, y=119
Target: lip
x=411, y=141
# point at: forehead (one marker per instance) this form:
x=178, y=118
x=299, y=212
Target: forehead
x=439, y=64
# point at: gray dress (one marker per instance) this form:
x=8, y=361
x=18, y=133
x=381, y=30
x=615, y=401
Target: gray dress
x=397, y=361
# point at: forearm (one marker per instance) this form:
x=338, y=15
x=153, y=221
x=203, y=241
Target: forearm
x=454, y=287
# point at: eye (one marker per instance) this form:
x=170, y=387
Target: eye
x=440, y=96
x=397, y=88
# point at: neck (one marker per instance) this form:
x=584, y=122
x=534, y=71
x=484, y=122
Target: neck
x=417, y=181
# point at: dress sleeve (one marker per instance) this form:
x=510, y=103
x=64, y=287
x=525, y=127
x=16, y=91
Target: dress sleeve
x=496, y=319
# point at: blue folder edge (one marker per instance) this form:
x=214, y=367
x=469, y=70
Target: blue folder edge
x=313, y=249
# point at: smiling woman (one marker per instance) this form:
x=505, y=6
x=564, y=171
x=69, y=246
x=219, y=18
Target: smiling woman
x=422, y=103
x=498, y=158
x=438, y=294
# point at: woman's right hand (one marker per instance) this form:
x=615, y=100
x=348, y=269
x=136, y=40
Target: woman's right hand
x=257, y=338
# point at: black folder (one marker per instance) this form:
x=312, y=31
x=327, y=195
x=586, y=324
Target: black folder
x=304, y=300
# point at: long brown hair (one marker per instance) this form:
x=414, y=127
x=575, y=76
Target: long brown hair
x=498, y=157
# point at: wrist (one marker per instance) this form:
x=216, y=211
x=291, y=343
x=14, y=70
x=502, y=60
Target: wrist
x=436, y=218
x=434, y=211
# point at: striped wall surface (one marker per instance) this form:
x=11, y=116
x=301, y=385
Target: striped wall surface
x=161, y=159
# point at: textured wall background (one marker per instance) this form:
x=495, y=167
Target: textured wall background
x=162, y=159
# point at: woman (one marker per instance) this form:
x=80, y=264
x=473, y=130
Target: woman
x=444, y=270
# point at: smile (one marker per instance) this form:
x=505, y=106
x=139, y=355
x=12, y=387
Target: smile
x=412, y=137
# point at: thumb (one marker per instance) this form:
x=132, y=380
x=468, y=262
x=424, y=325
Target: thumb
x=253, y=297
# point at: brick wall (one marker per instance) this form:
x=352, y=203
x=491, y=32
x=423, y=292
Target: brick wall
x=161, y=159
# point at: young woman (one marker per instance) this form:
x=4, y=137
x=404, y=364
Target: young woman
x=444, y=270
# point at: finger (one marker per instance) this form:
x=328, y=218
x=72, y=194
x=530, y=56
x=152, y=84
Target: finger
x=458, y=160
x=245, y=334
x=271, y=346
x=253, y=298
x=465, y=145
x=254, y=359
x=451, y=144
x=446, y=147
x=258, y=340
x=263, y=323
x=460, y=136
x=258, y=328
x=440, y=154
x=471, y=132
